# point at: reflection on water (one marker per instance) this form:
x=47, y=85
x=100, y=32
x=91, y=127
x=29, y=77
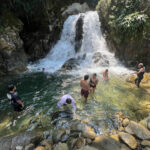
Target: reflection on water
x=40, y=93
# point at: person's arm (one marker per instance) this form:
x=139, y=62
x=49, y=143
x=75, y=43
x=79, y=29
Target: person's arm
x=20, y=102
x=73, y=104
x=141, y=70
x=61, y=102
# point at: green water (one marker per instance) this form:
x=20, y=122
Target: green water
x=42, y=92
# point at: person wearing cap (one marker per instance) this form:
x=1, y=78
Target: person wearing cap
x=140, y=74
x=15, y=99
x=67, y=102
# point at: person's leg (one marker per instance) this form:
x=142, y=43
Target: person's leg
x=136, y=81
x=139, y=81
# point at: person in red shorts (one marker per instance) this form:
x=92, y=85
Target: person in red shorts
x=85, y=87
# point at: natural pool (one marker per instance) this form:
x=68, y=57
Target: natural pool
x=40, y=92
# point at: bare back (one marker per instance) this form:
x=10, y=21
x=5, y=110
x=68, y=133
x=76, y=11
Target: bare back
x=84, y=85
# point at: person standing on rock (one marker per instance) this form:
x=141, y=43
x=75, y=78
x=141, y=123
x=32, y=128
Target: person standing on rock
x=67, y=102
x=93, y=83
x=15, y=99
x=140, y=74
x=85, y=87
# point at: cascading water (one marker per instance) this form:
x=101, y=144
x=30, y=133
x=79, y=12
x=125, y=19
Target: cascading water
x=93, y=49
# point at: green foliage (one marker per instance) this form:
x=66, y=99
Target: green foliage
x=125, y=19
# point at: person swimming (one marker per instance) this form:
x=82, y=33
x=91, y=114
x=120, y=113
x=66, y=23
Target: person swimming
x=65, y=101
x=105, y=75
x=85, y=87
x=15, y=99
x=140, y=74
x=93, y=82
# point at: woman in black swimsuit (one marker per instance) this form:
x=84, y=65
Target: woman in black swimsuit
x=140, y=75
x=93, y=82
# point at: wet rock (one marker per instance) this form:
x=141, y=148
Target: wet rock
x=139, y=130
x=148, y=124
x=106, y=143
x=61, y=146
x=88, y=148
x=129, y=130
x=100, y=59
x=29, y=147
x=19, y=147
x=22, y=139
x=89, y=133
x=128, y=139
x=124, y=147
x=88, y=141
x=79, y=33
x=125, y=122
x=71, y=143
x=80, y=143
x=75, y=8
x=70, y=64
x=115, y=137
x=146, y=143
x=58, y=134
x=146, y=148
x=40, y=148
x=65, y=138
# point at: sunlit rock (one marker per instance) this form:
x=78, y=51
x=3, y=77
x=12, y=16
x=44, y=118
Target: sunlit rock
x=128, y=139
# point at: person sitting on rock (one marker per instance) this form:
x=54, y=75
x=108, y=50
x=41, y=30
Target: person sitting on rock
x=85, y=87
x=15, y=99
x=140, y=74
x=66, y=101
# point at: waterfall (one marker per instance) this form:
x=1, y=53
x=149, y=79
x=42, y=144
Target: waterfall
x=94, y=49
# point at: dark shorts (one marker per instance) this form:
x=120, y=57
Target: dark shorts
x=84, y=93
x=17, y=107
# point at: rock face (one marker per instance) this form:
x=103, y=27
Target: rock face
x=124, y=34
x=19, y=140
x=12, y=56
x=128, y=139
x=79, y=33
x=138, y=130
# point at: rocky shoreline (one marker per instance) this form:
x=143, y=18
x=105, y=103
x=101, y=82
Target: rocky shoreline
x=80, y=135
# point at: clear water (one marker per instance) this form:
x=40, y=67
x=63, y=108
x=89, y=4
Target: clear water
x=41, y=92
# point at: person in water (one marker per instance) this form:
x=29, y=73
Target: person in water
x=105, y=75
x=85, y=87
x=93, y=82
x=140, y=74
x=66, y=101
x=15, y=99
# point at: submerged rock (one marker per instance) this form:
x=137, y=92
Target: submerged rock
x=106, y=143
x=29, y=147
x=88, y=148
x=125, y=122
x=128, y=139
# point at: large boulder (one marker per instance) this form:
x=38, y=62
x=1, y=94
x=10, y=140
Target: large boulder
x=22, y=140
x=138, y=130
x=128, y=139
